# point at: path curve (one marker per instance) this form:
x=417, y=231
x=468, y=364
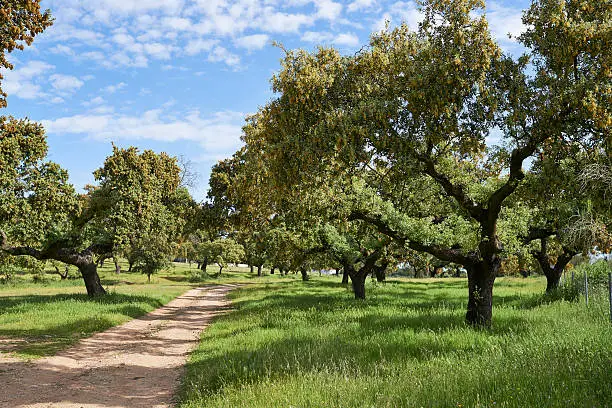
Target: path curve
x=137, y=364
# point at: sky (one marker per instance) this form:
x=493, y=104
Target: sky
x=181, y=75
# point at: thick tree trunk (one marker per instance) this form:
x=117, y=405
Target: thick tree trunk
x=272, y=271
x=481, y=277
x=89, y=272
x=345, y=277
x=304, y=273
x=117, y=266
x=358, y=281
x=259, y=268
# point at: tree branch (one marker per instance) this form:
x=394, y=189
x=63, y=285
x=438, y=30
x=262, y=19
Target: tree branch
x=454, y=190
x=442, y=253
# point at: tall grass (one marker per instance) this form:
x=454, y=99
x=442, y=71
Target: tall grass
x=296, y=344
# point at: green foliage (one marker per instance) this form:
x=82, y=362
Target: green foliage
x=36, y=199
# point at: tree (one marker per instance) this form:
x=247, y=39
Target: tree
x=225, y=251
x=131, y=208
x=421, y=104
x=38, y=206
x=21, y=21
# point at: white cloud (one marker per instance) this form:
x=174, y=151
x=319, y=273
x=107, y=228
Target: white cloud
x=360, y=5
x=317, y=37
x=347, y=39
x=329, y=10
x=62, y=49
x=504, y=21
x=252, y=42
x=111, y=89
x=323, y=37
x=24, y=82
x=65, y=83
x=195, y=47
x=220, y=54
x=218, y=133
x=278, y=22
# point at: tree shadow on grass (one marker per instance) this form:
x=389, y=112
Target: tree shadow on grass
x=53, y=336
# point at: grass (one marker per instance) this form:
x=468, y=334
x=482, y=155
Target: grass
x=296, y=344
x=39, y=319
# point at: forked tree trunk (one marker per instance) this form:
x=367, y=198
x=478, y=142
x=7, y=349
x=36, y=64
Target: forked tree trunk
x=89, y=272
x=481, y=277
x=379, y=271
x=553, y=272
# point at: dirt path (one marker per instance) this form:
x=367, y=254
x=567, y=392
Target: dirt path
x=137, y=364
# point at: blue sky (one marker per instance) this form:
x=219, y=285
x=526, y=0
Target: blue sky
x=180, y=75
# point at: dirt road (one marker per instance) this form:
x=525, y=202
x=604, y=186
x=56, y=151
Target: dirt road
x=137, y=364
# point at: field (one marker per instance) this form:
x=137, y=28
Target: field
x=296, y=344
x=39, y=319
x=310, y=344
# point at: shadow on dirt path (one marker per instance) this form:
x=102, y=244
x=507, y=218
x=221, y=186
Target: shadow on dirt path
x=137, y=364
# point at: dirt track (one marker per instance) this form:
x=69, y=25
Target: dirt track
x=137, y=364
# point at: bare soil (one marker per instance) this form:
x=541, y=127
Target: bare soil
x=137, y=364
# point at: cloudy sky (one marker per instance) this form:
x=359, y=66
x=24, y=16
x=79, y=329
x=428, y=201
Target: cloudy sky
x=180, y=75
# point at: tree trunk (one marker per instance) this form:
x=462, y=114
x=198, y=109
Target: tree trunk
x=345, y=277
x=337, y=271
x=220, y=270
x=117, y=266
x=130, y=264
x=437, y=270
x=553, y=272
x=358, y=281
x=251, y=268
x=379, y=271
x=481, y=277
x=204, y=264
x=304, y=273
x=272, y=271
x=259, y=267
x=89, y=272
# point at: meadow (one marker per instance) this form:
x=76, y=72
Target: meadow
x=309, y=344
x=41, y=314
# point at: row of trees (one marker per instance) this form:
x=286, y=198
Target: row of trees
x=360, y=162
x=383, y=156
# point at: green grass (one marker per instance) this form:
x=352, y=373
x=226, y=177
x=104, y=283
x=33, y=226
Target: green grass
x=39, y=319
x=295, y=344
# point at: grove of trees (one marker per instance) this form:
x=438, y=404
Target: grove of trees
x=359, y=162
